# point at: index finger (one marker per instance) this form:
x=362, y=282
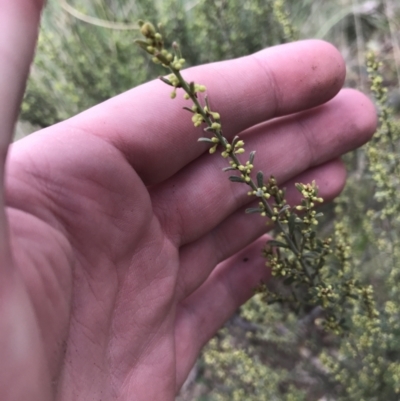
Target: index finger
x=158, y=137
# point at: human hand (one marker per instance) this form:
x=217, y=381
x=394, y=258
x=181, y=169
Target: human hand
x=128, y=247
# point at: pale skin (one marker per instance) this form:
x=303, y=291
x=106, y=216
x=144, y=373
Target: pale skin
x=123, y=246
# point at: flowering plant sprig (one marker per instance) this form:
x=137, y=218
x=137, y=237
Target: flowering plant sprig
x=297, y=256
x=383, y=149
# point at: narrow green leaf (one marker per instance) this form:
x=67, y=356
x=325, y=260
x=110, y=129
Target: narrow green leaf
x=299, y=186
x=166, y=81
x=292, y=224
x=278, y=244
x=235, y=178
x=144, y=45
x=321, y=264
x=286, y=207
x=207, y=103
x=260, y=179
x=289, y=280
x=253, y=210
x=203, y=139
x=311, y=255
x=234, y=140
x=353, y=296
x=162, y=58
x=252, y=155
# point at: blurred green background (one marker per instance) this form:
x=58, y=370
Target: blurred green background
x=79, y=64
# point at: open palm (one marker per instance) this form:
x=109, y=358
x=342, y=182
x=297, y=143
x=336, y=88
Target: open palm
x=125, y=246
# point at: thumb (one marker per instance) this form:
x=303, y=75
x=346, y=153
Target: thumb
x=23, y=369
x=19, y=22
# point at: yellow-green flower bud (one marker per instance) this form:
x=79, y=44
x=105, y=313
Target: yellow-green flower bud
x=148, y=30
x=200, y=88
x=213, y=149
x=215, y=126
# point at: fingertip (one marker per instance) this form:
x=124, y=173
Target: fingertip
x=365, y=116
x=304, y=74
x=331, y=179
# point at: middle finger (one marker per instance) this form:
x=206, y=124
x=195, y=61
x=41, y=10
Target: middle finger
x=200, y=197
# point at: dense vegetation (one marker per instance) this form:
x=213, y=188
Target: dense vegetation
x=265, y=352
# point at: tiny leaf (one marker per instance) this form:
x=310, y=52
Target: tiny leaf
x=299, y=187
x=203, y=139
x=162, y=58
x=235, y=178
x=289, y=280
x=207, y=103
x=234, y=140
x=291, y=224
x=286, y=207
x=311, y=255
x=253, y=210
x=260, y=179
x=142, y=44
x=165, y=80
x=252, y=155
x=277, y=244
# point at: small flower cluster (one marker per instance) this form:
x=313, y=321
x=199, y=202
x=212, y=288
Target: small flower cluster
x=154, y=45
x=231, y=363
x=282, y=17
x=382, y=149
x=320, y=274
